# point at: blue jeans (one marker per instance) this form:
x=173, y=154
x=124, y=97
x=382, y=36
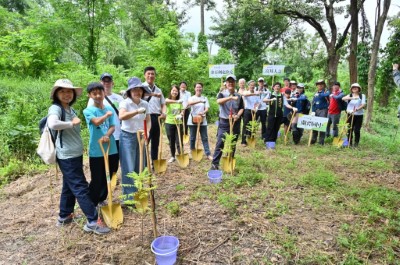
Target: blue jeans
x=223, y=127
x=129, y=156
x=203, y=135
x=333, y=119
x=76, y=187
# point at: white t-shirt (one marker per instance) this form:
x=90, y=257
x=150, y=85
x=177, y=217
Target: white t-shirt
x=355, y=103
x=115, y=100
x=185, y=97
x=196, y=108
x=135, y=123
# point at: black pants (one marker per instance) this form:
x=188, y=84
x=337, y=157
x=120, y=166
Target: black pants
x=172, y=134
x=319, y=113
x=274, y=123
x=186, y=117
x=98, y=184
x=246, y=118
x=154, y=136
x=354, y=131
x=262, y=114
x=297, y=133
x=223, y=127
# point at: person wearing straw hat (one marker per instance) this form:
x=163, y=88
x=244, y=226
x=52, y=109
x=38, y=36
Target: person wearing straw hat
x=132, y=111
x=355, y=113
x=69, y=153
x=230, y=106
x=320, y=105
x=101, y=124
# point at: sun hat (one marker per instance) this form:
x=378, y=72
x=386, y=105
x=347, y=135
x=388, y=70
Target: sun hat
x=65, y=83
x=293, y=82
x=356, y=85
x=320, y=81
x=261, y=79
x=135, y=82
x=300, y=85
x=230, y=76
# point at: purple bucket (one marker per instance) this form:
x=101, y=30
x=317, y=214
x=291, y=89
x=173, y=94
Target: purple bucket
x=165, y=248
x=215, y=176
x=270, y=145
x=345, y=142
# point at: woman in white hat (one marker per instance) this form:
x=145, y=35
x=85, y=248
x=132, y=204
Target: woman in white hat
x=355, y=113
x=69, y=150
x=133, y=111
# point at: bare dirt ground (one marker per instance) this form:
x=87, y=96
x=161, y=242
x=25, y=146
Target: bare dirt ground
x=208, y=232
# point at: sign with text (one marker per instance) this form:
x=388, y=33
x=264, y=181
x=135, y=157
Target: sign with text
x=312, y=123
x=220, y=70
x=273, y=69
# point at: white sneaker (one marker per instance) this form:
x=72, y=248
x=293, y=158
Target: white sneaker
x=172, y=159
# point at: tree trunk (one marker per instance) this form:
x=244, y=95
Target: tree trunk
x=202, y=16
x=380, y=22
x=333, y=61
x=353, y=42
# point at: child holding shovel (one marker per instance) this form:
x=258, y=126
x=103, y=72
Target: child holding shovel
x=100, y=120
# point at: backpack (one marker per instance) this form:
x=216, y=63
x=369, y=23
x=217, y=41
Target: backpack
x=342, y=105
x=53, y=133
x=306, y=107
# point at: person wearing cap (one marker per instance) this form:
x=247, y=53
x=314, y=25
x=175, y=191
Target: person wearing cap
x=242, y=86
x=286, y=85
x=355, y=113
x=185, y=95
x=230, y=106
x=293, y=86
x=396, y=74
x=300, y=102
x=174, y=117
x=199, y=106
x=251, y=101
x=275, y=114
x=133, y=111
x=334, y=110
x=263, y=92
x=100, y=121
x=69, y=154
x=111, y=99
x=320, y=105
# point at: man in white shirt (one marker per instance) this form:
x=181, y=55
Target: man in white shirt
x=185, y=95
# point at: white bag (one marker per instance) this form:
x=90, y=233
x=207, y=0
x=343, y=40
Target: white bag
x=46, y=149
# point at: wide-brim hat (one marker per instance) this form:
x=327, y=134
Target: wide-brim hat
x=135, y=82
x=293, y=82
x=320, y=81
x=356, y=85
x=301, y=85
x=65, y=83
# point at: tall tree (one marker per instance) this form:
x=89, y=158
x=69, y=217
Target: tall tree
x=353, y=41
x=315, y=13
x=247, y=29
x=205, y=5
x=381, y=12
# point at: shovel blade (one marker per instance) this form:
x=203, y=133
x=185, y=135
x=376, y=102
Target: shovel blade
x=113, y=215
x=183, y=160
x=185, y=138
x=251, y=142
x=160, y=165
x=197, y=154
x=228, y=164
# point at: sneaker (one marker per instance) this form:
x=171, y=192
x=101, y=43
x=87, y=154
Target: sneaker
x=67, y=220
x=98, y=228
x=172, y=159
x=214, y=167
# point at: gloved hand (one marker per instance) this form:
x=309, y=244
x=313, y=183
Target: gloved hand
x=180, y=101
x=178, y=117
x=295, y=109
x=350, y=111
x=141, y=110
x=313, y=113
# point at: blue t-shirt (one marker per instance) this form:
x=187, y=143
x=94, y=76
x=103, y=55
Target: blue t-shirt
x=96, y=132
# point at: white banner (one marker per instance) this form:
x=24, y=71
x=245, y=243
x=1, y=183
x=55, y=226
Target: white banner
x=273, y=69
x=220, y=70
x=312, y=123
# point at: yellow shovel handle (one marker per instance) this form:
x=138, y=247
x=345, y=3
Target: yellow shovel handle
x=105, y=155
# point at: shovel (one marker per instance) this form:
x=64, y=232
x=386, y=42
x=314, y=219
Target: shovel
x=185, y=135
x=152, y=199
x=160, y=165
x=251, y=141
x=143, y=201
x=197, y=154
x=290, y=124
x=183, y=159
x=112, y=213
x=338, y=141
x=229, y=162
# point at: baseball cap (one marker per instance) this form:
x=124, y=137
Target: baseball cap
x=230, y=76
x=261, y=79
x=104, y=75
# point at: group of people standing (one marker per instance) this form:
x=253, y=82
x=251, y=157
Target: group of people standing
x=115, y=122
